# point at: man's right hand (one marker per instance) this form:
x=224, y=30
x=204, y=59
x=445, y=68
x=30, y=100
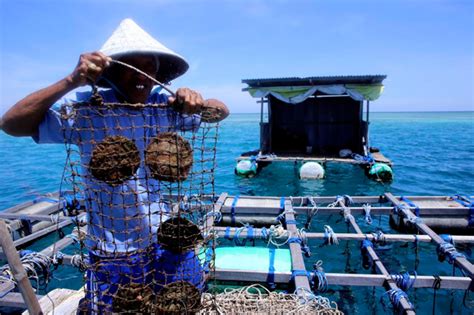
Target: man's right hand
x=89, y=68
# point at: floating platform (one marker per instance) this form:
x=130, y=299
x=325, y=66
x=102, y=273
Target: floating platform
x=300, y=157
x=279, y=221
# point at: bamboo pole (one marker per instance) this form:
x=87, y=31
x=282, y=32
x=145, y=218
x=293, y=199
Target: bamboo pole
x=462, y=262
x=18, y=271
x=297, y=260
x=404, y=302
x=459, y=239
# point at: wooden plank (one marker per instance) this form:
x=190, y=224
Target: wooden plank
x=247, y=205
x=461, y=262
x=46, y=231
x=14, y=300
x=46, y=208
x=32, y=217
x=297, y=260
x=54, y=302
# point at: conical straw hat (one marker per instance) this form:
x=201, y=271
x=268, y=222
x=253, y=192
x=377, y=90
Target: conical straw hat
x=129, y=38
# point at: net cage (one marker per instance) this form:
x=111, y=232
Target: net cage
x=145, y=176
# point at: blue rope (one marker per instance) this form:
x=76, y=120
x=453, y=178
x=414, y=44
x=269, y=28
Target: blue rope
x=304, y=247
x=461, y=199
x=366, y=261
x=237, y=237
x=411, y=204
x=250, y=233
x=291, y=222
x=395, y=296
x=297, y=272
x=404, y=281
x=227, y=233
x=282, y=204
x=447, y=250
x=415, y=243
x=365, y=159
x=232, y=209
x=25, y=252
x=448, y=238
x=264, y=233
x=271, y=269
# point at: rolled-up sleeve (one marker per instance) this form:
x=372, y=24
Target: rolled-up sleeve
x=54, y=128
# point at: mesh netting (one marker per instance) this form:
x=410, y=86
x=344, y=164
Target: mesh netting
x=146, y=175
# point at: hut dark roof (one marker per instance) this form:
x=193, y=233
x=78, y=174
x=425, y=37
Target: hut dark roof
x=321, y=80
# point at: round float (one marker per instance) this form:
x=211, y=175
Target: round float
x=246, y=168
x=381, y=171
x=311, y=170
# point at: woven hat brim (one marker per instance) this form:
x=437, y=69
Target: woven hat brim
x=171, y=66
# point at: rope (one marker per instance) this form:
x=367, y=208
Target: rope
x=462, y=199
x=330, y=237
x=310, y=213
x=302, y=240
x=447, y=250
x=232, y=209
x=404, y=281
x=78, y=262
x=379, y=237
x=256, y=299
x=436, y=286
x=276, y=233
x=448, y=238
x=37, y=267
x=395, y=296
x=411, y=204
x=368, y=219
x=145, y=74
x=366, y=260
x=320, y=282
x=271, y=269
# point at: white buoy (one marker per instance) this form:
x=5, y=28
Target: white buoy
x=246, y=168
x=311, y=170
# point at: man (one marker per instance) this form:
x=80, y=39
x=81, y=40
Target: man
x=122, y=218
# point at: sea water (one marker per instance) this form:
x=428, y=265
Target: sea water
x=432, y=152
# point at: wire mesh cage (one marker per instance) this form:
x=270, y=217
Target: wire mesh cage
x=146, y=176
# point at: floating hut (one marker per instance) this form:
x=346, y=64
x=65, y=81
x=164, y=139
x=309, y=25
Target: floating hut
x=319, y=119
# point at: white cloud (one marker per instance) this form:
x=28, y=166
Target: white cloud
x=22, y=75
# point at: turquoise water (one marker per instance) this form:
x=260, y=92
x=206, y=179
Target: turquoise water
x=433, y=155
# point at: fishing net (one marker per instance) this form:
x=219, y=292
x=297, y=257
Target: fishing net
x=145, y=176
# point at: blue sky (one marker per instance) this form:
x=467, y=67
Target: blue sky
x=424, y=46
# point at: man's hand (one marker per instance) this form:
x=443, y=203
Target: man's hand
x=89, y=68
x=187, y=101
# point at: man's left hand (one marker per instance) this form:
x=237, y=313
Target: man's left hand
x=187, y=101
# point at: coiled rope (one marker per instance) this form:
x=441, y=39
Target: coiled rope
x=330, y=237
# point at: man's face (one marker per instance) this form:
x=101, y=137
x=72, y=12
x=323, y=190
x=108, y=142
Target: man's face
x=134, y=86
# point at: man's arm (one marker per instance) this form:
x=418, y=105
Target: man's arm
x=188, y=101
x=25, y=116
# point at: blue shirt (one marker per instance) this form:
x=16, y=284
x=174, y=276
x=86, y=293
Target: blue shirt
x=125, y=217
